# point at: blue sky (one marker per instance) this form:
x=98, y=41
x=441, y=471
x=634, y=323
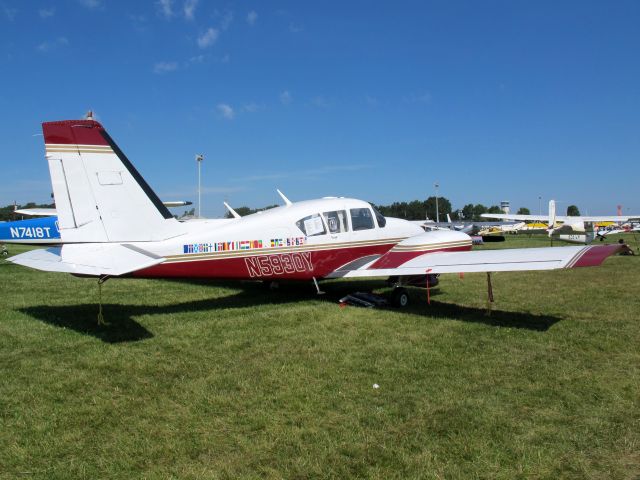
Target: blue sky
x=495, y=100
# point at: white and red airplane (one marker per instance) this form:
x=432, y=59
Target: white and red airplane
x=112, y=224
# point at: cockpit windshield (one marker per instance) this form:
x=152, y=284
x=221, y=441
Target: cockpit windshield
x=379, y=217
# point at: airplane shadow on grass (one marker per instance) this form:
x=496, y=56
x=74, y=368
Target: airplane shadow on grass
x=121, y=326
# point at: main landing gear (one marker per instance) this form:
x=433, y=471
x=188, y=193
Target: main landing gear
x=400, y=297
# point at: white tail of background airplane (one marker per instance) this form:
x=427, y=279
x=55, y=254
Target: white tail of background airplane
x=100, y=196
x=552, y=217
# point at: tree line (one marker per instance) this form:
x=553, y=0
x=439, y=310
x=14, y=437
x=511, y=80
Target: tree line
x=421, y=209
x=413, y=210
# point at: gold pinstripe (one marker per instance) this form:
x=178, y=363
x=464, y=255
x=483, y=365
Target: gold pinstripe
x=70, y=148
x=430, y=246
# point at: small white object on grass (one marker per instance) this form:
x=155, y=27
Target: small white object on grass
x=375, y=385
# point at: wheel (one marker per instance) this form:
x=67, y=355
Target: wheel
x=400, y=297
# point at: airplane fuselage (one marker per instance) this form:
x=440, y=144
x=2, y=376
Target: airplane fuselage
x=301, y=241
x=34, y=231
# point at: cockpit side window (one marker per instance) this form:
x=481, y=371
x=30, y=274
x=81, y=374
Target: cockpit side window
x=379, y=217
x=311, y=225
x=361, y=219
x=336, y=221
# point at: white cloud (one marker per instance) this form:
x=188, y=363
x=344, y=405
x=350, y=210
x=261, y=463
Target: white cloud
x=48, y=46
x=10, y=13
x=190, y=8
x=46, y=12
x=226, y=111
x=251, y=107
x=165, y=67
x=320, y=102
x=166, y=8
x=91, y=3
x=197, y=59
x=424, y=98
x=371, y=101
x=295, y=27
x=252, y=16
x=286, y=98
x=226, y=20
x=208, y=38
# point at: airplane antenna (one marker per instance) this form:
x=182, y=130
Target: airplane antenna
x=286, y=200
x=231, y=210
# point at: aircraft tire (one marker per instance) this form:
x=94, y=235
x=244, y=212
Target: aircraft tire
x=400, y=297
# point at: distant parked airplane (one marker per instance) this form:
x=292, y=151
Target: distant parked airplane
x=42, y=230
x=573, y=229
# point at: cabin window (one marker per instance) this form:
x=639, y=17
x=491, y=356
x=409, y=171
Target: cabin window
x=311, y=225
x=361, y=219
x=336, y=221
x=380, y=218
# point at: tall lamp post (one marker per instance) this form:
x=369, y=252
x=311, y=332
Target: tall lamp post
x=199, y=159
x=437, y=211
x=539, y=205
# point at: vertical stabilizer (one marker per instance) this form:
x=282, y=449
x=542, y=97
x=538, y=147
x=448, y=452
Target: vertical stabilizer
x=552, y=217
x=100, y=196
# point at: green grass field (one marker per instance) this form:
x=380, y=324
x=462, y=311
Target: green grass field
x=213, y=380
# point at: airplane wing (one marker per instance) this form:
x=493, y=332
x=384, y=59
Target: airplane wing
x=559, y=218
x=600, y=218
x=517, y=218
x=111, y=259
x=507, y=260
x=37, y=212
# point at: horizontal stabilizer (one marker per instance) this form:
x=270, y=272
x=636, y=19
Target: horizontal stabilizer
x=89, y=259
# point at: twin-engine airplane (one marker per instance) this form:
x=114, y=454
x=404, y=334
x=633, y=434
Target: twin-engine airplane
x=112, y=224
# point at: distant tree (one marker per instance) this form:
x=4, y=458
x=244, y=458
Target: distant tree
x=478, y=210
x=417, y=209
x=467, y=211
x=444, y=207
x=494, y=209
x=523, y=211
x=572, y=211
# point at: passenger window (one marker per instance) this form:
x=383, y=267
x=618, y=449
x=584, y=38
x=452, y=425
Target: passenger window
x=311, y=225
x=336, y=221
x=361, y=219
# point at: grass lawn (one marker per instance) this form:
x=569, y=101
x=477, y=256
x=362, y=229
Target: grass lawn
x=214, y=380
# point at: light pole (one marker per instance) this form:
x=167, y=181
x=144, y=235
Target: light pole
x=199, y=159
x=437, y=211
x=539, y=205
